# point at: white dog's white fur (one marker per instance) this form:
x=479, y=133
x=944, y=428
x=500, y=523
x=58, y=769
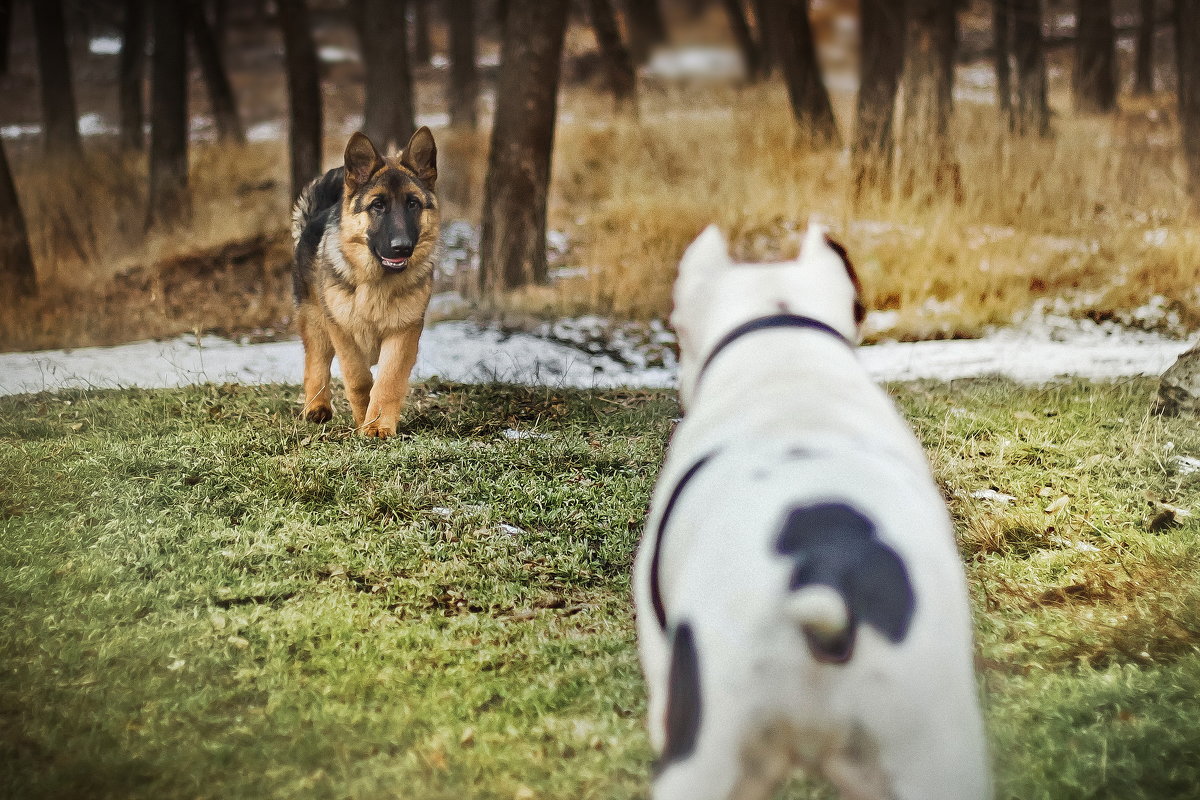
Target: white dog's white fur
x=790, y=420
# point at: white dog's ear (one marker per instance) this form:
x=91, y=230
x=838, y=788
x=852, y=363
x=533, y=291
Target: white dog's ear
x=709, y=252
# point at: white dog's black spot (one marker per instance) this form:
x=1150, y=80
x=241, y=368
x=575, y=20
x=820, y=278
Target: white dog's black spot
x=684, y=709
x=835, y=545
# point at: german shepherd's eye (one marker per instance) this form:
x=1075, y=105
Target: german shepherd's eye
x=378, y=204
x=413, y=202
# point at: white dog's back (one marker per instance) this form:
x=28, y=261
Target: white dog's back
x=801, y=600
x=884, y=704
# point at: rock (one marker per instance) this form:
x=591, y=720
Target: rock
x=1179, y=388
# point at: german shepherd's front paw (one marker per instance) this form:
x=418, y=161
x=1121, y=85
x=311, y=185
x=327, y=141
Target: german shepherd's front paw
x=318, y=413
x=378, y=430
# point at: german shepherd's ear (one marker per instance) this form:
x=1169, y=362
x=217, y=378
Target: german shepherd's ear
x=420, y=155
x=362, y=161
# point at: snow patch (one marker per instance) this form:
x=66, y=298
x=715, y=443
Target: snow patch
x=105, y=46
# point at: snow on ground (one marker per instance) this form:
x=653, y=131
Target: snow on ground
x=469, y=352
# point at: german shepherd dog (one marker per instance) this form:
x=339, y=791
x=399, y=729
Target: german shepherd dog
x=366, y=238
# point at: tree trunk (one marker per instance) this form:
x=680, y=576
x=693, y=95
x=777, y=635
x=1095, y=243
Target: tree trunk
x=6, y=8
x=882, y=52
x=1144, y=71
x=130, y=75
x=929, y=68
x=464, y=76
x=1032, y=111
x=646, y=28
x=794, y=48
x=1187, y=56
x=745, y=39
x=512, y=244
x=17, y=276
x=168, y=201
x=220, y=23
x=220, y=92
x=1094, y=79
x=1001, y=52
x=59, y=116
x=766, y=43
x=304, y=92
x=618, y=65
x=930, y=56
x=388, y=114
x=422, y=51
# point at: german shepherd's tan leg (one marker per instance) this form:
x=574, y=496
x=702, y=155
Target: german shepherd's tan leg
x=397, y=355
x=356, y=372
x=318, y=354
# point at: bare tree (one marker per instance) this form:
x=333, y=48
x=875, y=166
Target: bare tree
x=6, y=7
x=17, y=275
x=512, y=244
x=794, y=48
x=1143, y=83
x=1001, y=52
x=422, y=51
x=220, y=91
x=59, y=116
x=647, y=29
x=929, y=67
x=751, y=55
x=1032, y=111
x=304, y=92
x=1187, y=57
x=618, y=65
x=388, y=113
x=464, y=76
x=766, y=43
x=168, y=201
x=130, y=74
x=1094, y=77
x=882, y=52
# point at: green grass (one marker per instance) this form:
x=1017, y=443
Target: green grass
x=204, y=598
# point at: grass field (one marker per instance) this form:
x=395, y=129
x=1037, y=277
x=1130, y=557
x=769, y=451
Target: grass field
x=205, y=598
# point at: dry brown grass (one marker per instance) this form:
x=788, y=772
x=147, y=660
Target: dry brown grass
x=1065, y=217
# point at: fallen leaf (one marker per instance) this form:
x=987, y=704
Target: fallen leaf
x=1024, y=415
x=468, y=737
x=1058, y=505
x=1045, y=491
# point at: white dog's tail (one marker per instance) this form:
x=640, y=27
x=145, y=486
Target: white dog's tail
x=820, y=611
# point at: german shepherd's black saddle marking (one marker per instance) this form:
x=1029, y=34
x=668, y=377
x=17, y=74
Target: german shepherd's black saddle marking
x=834, y=545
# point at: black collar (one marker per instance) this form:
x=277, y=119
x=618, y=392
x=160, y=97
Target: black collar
x=766, y=323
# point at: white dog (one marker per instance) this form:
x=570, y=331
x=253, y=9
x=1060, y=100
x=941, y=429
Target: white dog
x=800, y=598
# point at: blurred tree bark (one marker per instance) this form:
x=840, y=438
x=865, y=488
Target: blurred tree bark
x=929, y=67
x=304, y=92
x=1094, y=76
x=388, y=113
x=1187, y=57
x=59, y=116
x=930, y=55
x=618, y=65
x=883, y=26
x=1143, y=83
x=512, y=244
x=1001, y=52
x=422, y=50
x=464, y=75
x=766, y=44
x=1032, y=110
x=130, y=75
x=17, y=275
x=220, y=91
x=220, y=23
x=795, y=50
x=6, y=7
x=751, y=56
x=647, y=29
x=168, y=201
